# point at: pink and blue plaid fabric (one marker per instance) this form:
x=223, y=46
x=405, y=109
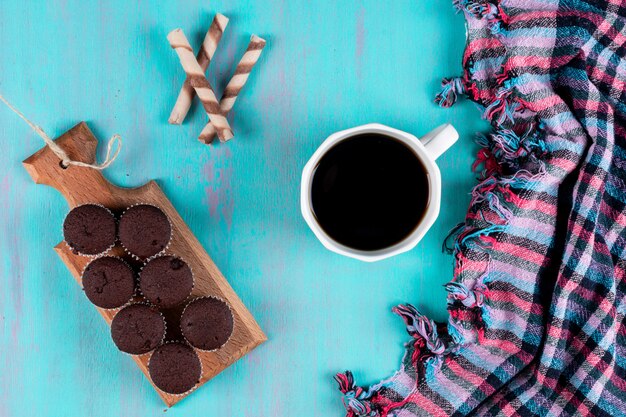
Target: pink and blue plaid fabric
x=537, y=303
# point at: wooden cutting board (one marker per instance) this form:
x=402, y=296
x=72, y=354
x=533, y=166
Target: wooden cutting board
x=85, y=185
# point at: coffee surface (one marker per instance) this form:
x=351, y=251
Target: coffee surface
x=369, y=192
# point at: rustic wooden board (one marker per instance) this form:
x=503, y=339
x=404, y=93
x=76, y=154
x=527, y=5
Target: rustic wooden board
x=84, y=185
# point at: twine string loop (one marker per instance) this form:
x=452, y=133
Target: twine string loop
x=66, y=161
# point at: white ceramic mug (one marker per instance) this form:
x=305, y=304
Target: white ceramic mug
x=428, y=148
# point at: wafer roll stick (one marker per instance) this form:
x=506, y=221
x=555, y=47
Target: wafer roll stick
x=236, y=83
x=205, y=55
x=197, y=79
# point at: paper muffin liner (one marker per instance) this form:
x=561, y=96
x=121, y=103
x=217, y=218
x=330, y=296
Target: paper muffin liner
x=132, y=255
x=231, y=315
x=136, y=284
x=97, y=255
x=184, y=342
x=133, y=355
x=160, y=255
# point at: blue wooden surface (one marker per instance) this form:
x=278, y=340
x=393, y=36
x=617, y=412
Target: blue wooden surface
x=328, y=66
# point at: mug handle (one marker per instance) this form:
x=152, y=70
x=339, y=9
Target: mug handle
x=438, y=140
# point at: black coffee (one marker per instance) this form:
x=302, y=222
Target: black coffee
x=369, y=192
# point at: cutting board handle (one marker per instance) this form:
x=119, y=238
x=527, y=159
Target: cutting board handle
x=78, y=185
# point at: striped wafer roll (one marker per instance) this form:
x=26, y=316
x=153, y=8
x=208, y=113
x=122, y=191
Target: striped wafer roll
x=195, y=75
x=236, y=83
x=205, y=55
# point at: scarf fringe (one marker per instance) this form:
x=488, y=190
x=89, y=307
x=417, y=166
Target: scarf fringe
x=469, y=298
x=486, y=9
x=451, y=88
x=429, y=350
x=354, y=397
x=505, y=153
x=477, y=8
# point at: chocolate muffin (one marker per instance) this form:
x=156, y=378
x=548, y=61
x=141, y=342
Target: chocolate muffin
x=207, y=323
x=166, y=281
x=175, y=368
x=144, y=230
x=108, y=282
x=89, y=229
x=138, y=329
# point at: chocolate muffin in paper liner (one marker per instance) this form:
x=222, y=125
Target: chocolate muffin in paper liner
x=90, y=230
x=144, y=230
x=166, y=281
x=175, y=368
x=109, y=282
x=138, y=328
x=207, y=323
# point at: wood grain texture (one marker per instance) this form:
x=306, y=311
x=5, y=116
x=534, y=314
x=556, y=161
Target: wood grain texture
x=84, y=185
x=328, y=66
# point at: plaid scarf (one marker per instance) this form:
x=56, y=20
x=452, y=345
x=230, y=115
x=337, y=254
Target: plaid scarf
x=536, y=324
